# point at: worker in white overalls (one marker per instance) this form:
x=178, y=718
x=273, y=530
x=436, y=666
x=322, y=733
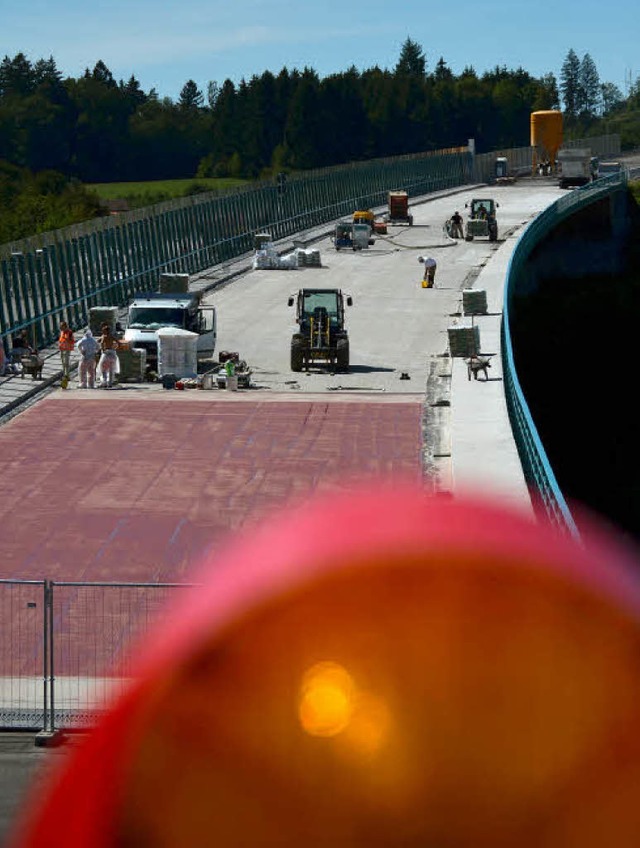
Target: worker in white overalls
x=429, y=277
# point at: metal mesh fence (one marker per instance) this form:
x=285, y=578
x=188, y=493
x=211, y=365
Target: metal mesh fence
x=22, y=654
x=65, y=648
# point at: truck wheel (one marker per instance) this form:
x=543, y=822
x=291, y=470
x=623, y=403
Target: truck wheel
x=342, y=355
x=297, y=354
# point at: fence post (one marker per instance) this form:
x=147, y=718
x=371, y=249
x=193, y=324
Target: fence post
x=45, y=655
x=48, y=736
x=52, y=720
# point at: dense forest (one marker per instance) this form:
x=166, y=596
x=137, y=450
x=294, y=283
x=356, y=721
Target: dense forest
x=97, y=129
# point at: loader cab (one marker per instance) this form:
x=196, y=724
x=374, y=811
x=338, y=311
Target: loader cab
x=482, y=208
x=321, y=338
x=312, y=302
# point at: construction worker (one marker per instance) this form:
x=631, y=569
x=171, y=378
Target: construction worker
x=429, y=278
x=456, y=225
x=109, y=364
x=66, y=344
x=88, y=348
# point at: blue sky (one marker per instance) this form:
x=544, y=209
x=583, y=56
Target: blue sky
x=205, y=40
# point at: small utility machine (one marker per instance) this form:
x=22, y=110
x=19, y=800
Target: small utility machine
x=353, y=235
x=482, y=222
x=399, y=208
x=321, y=339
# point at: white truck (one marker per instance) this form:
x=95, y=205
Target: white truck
x=574, y=166
x=149, y=312
x=605, y=169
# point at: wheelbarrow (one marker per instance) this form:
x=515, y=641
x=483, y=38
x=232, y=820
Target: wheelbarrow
x=32, y=364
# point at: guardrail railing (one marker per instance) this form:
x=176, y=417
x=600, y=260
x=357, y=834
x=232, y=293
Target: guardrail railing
x=535, y=464
x=103, y=262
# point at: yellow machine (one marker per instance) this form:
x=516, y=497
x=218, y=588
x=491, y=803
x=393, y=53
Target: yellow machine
x=363, y=216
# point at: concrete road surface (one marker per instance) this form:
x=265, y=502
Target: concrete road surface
x=395, y=325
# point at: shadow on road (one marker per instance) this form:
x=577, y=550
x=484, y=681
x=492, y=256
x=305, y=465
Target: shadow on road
x=369, y=369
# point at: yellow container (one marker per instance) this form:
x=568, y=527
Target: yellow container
x=546, y=135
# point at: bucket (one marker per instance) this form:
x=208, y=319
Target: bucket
x=232, y=383
x=207, y=381
x=169, y=381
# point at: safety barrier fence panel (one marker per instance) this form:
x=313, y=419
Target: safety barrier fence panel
x=535, y=464
x=65, y=647
x=23, y=654
x=103, y=262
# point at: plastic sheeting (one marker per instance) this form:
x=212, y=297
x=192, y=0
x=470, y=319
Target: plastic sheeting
x=177, y=352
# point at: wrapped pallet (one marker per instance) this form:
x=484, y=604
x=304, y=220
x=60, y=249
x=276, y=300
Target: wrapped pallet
x=99, y=315
x=177, y=352
x=464, y=341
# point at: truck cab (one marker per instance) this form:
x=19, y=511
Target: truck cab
x=149, y=312
x=608, y=168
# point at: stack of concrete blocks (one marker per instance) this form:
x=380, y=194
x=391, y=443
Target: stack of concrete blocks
x=474, y=301
x=308, y=258
x=99, y=315
x=133, y=364
x=464, y=341
x=173, y=283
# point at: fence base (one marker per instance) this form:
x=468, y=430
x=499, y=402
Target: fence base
x=49, y=738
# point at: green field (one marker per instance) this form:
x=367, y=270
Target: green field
x=155, y=191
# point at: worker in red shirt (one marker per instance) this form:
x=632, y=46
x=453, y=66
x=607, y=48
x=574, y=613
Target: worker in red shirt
x=66, y=343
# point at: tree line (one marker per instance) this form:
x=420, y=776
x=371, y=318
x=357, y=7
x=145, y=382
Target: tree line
x=97, y=129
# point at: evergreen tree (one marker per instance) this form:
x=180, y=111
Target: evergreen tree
x=570, y=84
x=102, y=74
x=17, y=77
x=133, y=92
x=412, y=61
x=191, y=97
x=547, y=96
x=224, y=133
x=304, y=131
x=589, y=88
x=442, y=71
x=611, y=97
x=45, y=72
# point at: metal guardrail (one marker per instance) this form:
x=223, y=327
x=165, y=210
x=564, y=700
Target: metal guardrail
x=103, y=262
x=535, y=464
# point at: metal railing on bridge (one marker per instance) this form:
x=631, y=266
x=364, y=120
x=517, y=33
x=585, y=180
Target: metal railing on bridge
x=533, y=457
x=62, y=274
